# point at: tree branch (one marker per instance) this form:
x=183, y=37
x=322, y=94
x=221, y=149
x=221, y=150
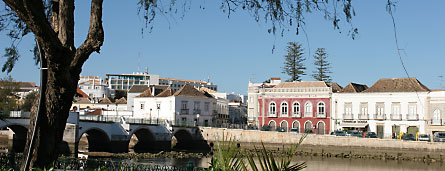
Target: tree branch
x=95, y=37
x=32, y=13
x=66, y=23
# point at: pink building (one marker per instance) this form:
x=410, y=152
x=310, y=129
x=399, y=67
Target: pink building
x=294, y=106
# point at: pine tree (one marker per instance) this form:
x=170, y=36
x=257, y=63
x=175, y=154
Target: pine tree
x=293, y=65
x=322, y=66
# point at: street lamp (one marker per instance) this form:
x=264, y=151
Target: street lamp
x=158, y=106
x=150, y=114
x=116, y=109
x=197, y=119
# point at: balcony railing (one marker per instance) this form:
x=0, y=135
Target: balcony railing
x=321, y=115
x=185, y=111
x=436, y=122
x=272, y=114
x=296, y=115
x=308, y=114
x=396, y=116
x=412, y=117
x=363, y=116
x=196, y=111
x=379, y=116
x=284, y=114
x=348, y=116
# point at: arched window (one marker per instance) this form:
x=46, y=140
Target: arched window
x=308, y=110
x=283, y=126
x=284, y=109
x=272, y=108
x=308, y=127
x=296, y=126
x=296, y=109
x=272, y=125
x=321, y=109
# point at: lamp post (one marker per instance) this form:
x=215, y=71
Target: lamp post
x=132, y=110
x=116, y=109
x=150, y=114
x=158, y=106
x=197, y=119
x=107, y=108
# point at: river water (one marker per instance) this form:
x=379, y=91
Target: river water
x=319, y=163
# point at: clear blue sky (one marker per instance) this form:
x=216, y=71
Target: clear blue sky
x=233, y=51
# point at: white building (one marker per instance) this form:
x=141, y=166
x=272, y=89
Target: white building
x=126, y=81
x=94, y=87
x=176, y=84
x=389, y=107
x=185, y=106
x=436, y=112
x=253, y=108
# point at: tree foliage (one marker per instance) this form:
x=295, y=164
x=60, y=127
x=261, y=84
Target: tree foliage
x=8, y=98
x=293, y=64
x=29, y=101
x=322, y=66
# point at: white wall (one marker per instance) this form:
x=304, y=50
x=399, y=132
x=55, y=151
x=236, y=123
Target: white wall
x=166, y=109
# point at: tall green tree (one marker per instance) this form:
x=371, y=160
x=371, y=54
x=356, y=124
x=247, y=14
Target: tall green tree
x=8, y=98
x=293, y=61
x=52, y=25
x=322, y=66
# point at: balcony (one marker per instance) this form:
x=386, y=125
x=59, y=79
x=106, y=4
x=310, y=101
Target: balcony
x=308, y=114
x=348, y=116
x=379, y=116
x=321, y=115
x=412, y=117
x=396, y=116
x=284, y=114
x=272, y=114
x=184, y=111
x=363, y=116
x=196, y=111
x=296, y=114
x=436, y=122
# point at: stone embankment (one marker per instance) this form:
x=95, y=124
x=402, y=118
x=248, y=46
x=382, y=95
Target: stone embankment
x=331, y=146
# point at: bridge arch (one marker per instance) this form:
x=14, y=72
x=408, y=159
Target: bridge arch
x=182, y=139
x=19, y=137
x=142, y=140
x=94, y=140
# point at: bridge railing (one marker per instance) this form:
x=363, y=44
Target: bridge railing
x=14, y=114
x=100, y=118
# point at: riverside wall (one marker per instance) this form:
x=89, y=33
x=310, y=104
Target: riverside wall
x=329, y=144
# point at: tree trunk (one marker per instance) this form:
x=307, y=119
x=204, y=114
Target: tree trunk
x=60, y=90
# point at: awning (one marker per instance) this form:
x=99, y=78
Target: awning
x=354, y=125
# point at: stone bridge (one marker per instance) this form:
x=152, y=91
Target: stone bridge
x=106, y=134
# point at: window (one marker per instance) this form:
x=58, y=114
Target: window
x=296, y=107
x=142, y=106
x=206, y=106
x=396, y=108
x=348, y=108
x=412, y=108
x=184, y=105
x=380, y=108
x=308, y=109
x=321, y=108
x=436, y=115
x=284, y=108
x=272, y=108
x=364, y=108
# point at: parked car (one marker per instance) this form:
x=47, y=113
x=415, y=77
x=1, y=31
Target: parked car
x=439, y=137
x=423, y=137
x=348, y=132
x=409, y=137
x=371, y=135
x=357, y=134
x=296, y=130
x=340, y=133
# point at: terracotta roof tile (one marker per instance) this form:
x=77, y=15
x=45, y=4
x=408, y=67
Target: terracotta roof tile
x=81, y=93
x=397, y=85
x=146, y=93
x=336, y=87
x=354, y=88
x=121, y=101
x=82, y=100
x=105, y=100
x=165, y=93
x=138, y=88
x=189, y=91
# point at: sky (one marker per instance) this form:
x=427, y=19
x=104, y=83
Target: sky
x=234, y=50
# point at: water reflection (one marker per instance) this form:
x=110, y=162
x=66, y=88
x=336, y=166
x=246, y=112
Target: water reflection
x=318, y=163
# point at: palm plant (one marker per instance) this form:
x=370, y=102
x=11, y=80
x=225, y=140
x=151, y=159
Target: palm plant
x=228, y=157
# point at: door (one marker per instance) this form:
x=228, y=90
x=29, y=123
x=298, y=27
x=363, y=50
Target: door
x=412, y=130
x=380, y=131
x=320, y=128
x=308, y=127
